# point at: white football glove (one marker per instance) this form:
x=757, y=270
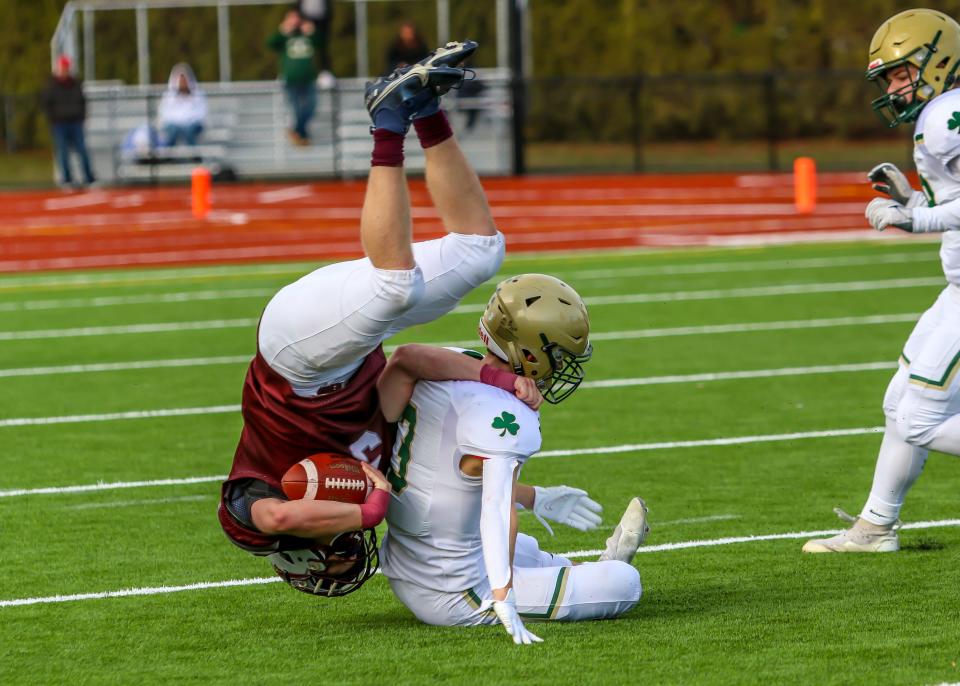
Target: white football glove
x=882, y=213
x=506, y=611
x=570, y=506
x=891, y=181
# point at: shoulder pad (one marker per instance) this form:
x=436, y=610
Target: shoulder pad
x=941, y=127
x=498, y=426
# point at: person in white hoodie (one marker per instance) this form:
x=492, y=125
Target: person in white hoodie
x=183, y=109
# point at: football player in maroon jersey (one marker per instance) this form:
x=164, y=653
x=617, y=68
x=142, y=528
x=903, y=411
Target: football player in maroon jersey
x=312, y=385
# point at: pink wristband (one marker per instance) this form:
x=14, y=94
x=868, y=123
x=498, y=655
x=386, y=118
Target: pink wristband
x=497, y=377
x=374, y=510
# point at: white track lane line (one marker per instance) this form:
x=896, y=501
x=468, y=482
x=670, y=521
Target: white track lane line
x=141, y=277
x=601, y=450
x=603, y=383
x=680, y=545
x=593, y=301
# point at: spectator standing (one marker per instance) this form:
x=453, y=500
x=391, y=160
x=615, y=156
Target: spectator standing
x=296, y=41
x=407, y=48
x=183, y=108
x=320, y=12
x=66, y=108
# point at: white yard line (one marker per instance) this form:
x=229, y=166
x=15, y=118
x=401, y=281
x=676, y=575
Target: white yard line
x=699, y=520
x=159, y=275
x=160, y=327
x=142, y=299
x=748, y=292
x=601, y=450
x=113, y=416
x=593, y=301
x=708, y=442
x=746, y=374
x=680, y=545
x=124, y=366
x=112, y=486
x=603, y=383
x=141, y=503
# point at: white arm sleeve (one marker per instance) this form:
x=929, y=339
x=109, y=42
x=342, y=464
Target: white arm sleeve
x=495, y=510
x=945, y=217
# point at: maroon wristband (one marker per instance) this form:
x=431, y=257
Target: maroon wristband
x=374, y=510
x=497, y=377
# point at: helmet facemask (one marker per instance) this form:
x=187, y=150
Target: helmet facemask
x=307, y=570
x=897, y=108
x=567, y=372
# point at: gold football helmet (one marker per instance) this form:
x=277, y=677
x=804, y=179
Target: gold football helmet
x=539, y=325
x=930, y=42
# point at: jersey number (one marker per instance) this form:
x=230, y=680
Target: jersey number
x=397, y=476
x=367, y=448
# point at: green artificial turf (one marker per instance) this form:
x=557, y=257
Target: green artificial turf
x=724, y=613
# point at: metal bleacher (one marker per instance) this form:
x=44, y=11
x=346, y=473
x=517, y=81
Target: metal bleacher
x=247, y=131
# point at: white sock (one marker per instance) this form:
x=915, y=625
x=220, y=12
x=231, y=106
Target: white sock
x=898, y=466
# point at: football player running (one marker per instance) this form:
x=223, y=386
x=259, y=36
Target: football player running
x=452, y=553
x=312, y=385
x=914, y=57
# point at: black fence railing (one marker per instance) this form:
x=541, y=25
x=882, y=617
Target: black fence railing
x=706, y=122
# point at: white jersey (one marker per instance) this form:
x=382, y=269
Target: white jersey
x=434, y=519
x=936, y=153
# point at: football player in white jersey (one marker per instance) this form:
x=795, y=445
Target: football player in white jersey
x=914, y=57
x=452, y=553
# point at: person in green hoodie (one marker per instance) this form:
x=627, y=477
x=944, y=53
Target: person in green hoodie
x=297, y=40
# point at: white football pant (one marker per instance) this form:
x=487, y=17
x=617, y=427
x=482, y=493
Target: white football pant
x=317, y=330
x=547, y=587
x=922, y=407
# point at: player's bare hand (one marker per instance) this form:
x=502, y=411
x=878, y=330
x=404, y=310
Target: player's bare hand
x=307, y=28
x=527, y=392
x=376, y=477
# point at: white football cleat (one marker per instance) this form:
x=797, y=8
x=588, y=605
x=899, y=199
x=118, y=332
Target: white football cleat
x=862, y=537
x=629, y=535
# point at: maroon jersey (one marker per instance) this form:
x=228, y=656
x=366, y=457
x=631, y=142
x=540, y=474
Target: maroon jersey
x=280, y=428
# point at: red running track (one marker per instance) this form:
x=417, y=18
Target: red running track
x=47, y=230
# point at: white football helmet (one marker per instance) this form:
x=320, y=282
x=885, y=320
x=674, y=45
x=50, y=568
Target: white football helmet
x=306, y=569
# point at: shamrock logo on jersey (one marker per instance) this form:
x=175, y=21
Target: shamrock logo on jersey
x=507, y=422
x=954, y=121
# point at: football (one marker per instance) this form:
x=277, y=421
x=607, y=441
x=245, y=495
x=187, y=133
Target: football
x=326, y=476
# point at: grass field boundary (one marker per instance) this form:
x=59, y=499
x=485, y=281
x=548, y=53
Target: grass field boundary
x=601, y=450
x=255, y=581
x=592, y=301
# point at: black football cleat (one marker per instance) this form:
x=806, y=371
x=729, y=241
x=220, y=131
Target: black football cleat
x=453, y=54
x=394, y=100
